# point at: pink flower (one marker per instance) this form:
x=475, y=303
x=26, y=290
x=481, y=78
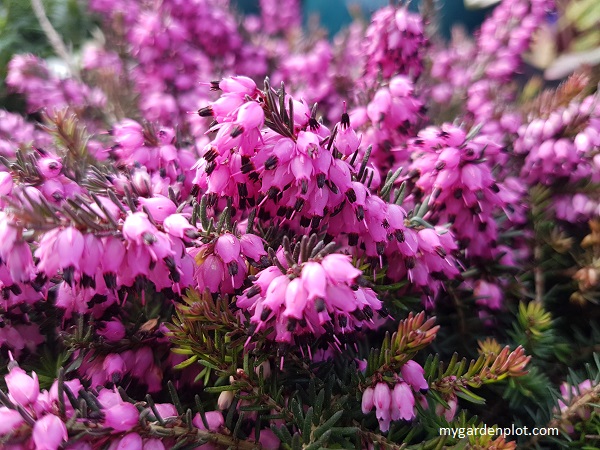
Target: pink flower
x=403, y=402
x=121, y=416
x=128, y=133
x=112, y=330
x=49, y=167
x=49, y=433
x=22, y=388
x=153, y=444
x=239, y=85
x=413, y=373
x=114, y=366
x=488, y=294
x=214, y=419
x=367, y=400
x=179, y=226
x=20, y=263
x=10, y=420
x=131, y=441
x=137, y=227
x=252, y=246
x=159, y=206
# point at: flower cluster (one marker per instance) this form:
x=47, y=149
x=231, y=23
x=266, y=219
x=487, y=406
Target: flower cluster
x=398, y=402
x=313, y=297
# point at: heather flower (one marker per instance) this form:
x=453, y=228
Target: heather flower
x=22, y=388
x=121, y=416
x=394, y=43
x=461, y=185
x=449, y=412
x=413, y=373
x=403, y=402
x=309, y=298
x=214, y=420
x=10, y=420
x=49, y=433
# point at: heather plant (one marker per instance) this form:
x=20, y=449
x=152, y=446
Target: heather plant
x=220, y=231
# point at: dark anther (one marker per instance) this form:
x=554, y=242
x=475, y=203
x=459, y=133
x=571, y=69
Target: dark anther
x=440, y=165
x=304, y=186
x=319, y=305
x=351, y=195
x=304, y=221
x=321, y=180
x=253, y=291
x=149, y=238
x=291, y=326
x=458, y=193
x=360, y=213
x=368, y=311
x=343, y=321
x=68, y=275
x=380, y=246
x=299, y=204
x=233, y=268
x=207, y=111
x=410, y=262
x=316, y=221
x=383, y=312
x=110, y=279
x=210, y=167
x=352, y=239
x=345, y=120
x=271, y=162
x=265, y=314
x=211, y=155
x=236, y=131
x=242, y=190
x=399, y=234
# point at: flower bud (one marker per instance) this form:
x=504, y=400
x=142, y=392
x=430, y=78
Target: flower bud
x=367, y=400
x=225, y=399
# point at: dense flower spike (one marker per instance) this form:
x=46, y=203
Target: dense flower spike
x=395, y=43
x=312, y=297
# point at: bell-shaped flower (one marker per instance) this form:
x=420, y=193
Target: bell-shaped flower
x=413, y=374
x=214, y=420
x=10, y=420
x=253, y=246
x=49, y=433
x=22, y=388
x=131, y=441
x=49, y=167
x=403, y=402
x=178, y=225
x=121, y=416
x=367, y=400
x=227, y=247
x=159, y=206
x=136, y=228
